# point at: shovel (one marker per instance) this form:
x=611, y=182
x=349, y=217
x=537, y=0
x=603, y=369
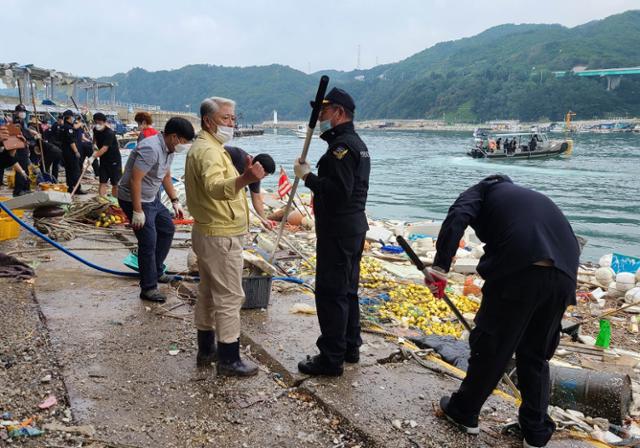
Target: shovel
x=422, y=268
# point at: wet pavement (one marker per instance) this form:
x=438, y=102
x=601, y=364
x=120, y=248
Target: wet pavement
x=114, y=353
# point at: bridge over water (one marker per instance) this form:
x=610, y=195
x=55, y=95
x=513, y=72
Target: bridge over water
x=613, y=75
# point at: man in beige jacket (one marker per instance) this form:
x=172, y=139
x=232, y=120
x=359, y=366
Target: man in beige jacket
x=217, y=201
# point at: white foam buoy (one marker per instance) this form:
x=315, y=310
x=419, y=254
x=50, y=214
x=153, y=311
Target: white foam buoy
x=625, y=281
x=613, y=292
x=632, y=295
x=605, y=275
x=605, y=261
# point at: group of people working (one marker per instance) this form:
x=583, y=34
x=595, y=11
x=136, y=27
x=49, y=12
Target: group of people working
x=66, y=142
x=529, y=264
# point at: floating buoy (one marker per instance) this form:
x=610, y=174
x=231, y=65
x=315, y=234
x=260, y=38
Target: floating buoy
x=605, y=260
x=625, y=281
x=605, y=275
x=295, y=218
x=633, y=295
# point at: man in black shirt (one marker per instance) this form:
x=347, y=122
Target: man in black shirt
x=239, y=160
x=108, y=150
x=22, y=185
x=70, y=152
x=340, y=195
x=530, y=266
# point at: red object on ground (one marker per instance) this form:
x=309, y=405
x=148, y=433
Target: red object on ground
x=440, y=285
x=183, y=221
x=284, y=187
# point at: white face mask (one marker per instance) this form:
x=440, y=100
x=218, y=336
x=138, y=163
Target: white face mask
x=182, y=147
x=22, y=115
x=99, y=127
x=224, y=134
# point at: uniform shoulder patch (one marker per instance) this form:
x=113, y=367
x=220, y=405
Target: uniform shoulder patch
x=340, y=152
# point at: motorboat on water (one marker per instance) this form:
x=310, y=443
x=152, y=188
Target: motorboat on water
x=301, y=131
x=518, y=145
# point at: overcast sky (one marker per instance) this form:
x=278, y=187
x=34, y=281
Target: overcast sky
x=95, y=38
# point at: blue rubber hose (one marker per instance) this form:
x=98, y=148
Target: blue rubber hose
x=107, y=270
x=62, y=248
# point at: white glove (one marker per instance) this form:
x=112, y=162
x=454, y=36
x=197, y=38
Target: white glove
x=178, y=210
x=137, y=220
x=301, y=169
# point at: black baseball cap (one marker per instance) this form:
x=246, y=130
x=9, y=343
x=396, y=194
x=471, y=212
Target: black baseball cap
x=68, y=113
x=21, y=108
x=99, y=116
x=339, y=97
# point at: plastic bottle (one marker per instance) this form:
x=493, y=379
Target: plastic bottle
x=604, y=336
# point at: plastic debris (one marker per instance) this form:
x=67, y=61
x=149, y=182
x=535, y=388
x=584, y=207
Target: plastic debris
x=46, y=379
x=604, y=336
x=25, y=431
x=50, y=401
x=173, y=350
x=303, y=308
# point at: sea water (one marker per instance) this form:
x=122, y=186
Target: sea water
x=416, y=175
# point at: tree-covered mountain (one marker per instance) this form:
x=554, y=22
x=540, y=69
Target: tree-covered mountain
x=503, y=72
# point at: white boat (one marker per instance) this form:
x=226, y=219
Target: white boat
x=301, y=131
x=520, y=145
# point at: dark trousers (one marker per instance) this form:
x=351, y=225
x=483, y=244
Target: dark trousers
x=71, y=168
x=21, y=184
x=337, y=278
x=52, y=158
x=154, y=240
x=520, y=313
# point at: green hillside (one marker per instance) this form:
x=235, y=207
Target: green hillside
x=503, y=72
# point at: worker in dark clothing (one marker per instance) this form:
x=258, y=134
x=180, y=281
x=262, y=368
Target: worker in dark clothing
x=7, y=156
x=529, y=266
x=533, y=143
x=70, y=152
x=23, y=185
x=109, y=168
x=340, y=195
x=84, y=144
x=239, y=160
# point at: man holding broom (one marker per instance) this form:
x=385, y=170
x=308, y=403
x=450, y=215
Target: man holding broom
x=340, y=195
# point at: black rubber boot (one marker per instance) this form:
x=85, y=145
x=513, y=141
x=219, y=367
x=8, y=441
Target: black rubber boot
x=206, y=348
x=318, y=365
x=230, y=364
x=352, y=356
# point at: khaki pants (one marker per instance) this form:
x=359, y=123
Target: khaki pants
x=220, y=293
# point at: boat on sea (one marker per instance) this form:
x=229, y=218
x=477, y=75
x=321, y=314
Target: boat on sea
x=301, y=131
x=518, y=145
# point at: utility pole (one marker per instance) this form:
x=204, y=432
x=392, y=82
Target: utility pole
x=358, y=65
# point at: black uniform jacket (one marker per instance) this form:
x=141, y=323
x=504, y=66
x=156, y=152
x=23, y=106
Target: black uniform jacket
x=519, y=227
x=341, y=185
